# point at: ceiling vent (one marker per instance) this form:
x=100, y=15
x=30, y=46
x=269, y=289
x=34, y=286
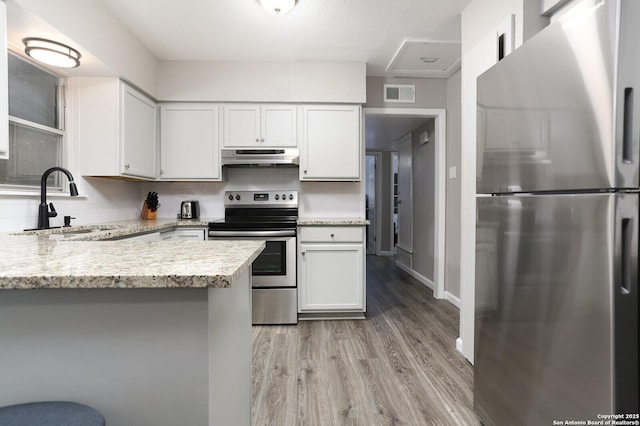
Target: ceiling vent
x=405, y=93
x=424, y=58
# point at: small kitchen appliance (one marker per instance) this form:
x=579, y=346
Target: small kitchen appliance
x=269, y=216
x=190, y=210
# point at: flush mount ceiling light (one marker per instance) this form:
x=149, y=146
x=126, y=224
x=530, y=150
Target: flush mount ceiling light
x=51, y=52
x=279, y=7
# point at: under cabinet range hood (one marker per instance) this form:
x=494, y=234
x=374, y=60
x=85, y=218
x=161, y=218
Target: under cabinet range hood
x=261, y=157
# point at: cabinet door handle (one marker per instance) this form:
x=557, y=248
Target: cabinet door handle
x=257, y=140
x=305, y=172
x=161, y=172
x=126, y=166
x=333, y=236
x=304, y=252
x=261, y=139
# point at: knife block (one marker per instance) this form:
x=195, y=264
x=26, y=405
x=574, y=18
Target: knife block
x=146, y=213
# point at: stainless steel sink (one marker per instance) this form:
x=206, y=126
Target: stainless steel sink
x=81, y=231
x=69, y=232
x=63, y=233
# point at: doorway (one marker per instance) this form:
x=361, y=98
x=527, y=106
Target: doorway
x=371, y=165
x=394, y=168
x=438, y=139
x=403, y=202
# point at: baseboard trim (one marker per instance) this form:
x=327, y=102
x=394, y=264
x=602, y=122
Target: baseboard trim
x=385, y=253
x=454, y=300
x=318, y=316
x=424, y=280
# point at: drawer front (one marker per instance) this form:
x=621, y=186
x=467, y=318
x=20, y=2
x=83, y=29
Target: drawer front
x=331, y=234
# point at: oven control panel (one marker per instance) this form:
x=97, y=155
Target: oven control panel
x=277, y=198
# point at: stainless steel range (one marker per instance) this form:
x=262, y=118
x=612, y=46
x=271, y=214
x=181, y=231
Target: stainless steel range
x=269, y=216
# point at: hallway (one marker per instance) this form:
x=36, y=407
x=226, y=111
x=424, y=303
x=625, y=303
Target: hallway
x=397, y=367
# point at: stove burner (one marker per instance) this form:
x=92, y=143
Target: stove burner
x=259, y=210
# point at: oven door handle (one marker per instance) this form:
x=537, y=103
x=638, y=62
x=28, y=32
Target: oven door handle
x=260, y=234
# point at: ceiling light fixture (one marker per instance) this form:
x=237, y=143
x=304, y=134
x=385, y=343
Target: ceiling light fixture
x=428, y=60
x=279, y=7
x=51, y=52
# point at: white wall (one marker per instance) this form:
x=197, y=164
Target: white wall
x=480, y=17
x=454, y=140
x=89, y=24
x=551, y=6
x=424, y=159
x=336, y=82
x=430, y=92
x=385, y=219
x=482, y=20
x=4, y=104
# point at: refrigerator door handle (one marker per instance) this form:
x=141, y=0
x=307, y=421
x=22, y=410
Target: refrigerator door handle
x=627, y=126
x=626, y=252
x=626, y=255
x=625, y=306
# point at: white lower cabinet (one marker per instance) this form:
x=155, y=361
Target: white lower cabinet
x=331, y=272
x=153, y=236
x=184, y=235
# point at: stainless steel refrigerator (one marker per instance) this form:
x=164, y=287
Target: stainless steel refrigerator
x=556, y=325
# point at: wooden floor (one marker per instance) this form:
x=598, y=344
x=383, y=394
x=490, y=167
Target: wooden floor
x=397, y=367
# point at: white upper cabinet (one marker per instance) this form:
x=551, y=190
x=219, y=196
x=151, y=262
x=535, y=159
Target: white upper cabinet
x=258, y=126
x=4, y=95
x=189, y=142
x=331, y=146
x=241, y=125
x=278, y=125
x=138, y=118
x=116, y=128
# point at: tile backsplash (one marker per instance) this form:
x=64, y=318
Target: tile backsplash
x=100, y=200
x=317, y=199
x=106, y=200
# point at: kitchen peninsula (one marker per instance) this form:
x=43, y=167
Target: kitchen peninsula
x=146, y=332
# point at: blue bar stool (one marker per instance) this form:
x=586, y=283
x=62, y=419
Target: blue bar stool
x=50, y=413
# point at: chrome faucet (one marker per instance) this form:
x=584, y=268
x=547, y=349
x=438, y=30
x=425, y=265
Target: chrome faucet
x=43, y=210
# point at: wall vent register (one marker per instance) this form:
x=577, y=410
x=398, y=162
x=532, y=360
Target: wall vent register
x=400, y=93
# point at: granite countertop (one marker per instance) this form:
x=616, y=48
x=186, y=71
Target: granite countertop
x=332, y=221
x=120, y=229
x=33, y=259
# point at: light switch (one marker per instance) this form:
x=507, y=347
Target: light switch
x=452, y=172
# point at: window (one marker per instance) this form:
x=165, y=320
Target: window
x=36, y=128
